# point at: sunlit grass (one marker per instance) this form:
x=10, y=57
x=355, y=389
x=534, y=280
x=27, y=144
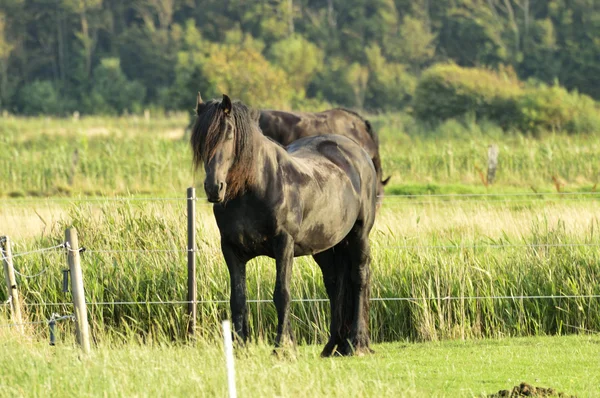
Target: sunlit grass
x=136, y=252
x=107, y=156
x=446, y=369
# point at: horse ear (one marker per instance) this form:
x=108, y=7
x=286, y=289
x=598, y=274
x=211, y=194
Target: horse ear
x=226, y=104
x=199, y=103
x=384, y=182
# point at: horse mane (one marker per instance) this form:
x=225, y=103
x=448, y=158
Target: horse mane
x=372, y=133
x=210, y=129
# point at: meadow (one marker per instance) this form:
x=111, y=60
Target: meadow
x=121, y=182
x=472, y=368
x=134, y=155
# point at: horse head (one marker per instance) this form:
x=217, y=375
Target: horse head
x=220, y=141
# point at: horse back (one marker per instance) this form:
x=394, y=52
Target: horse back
x=287, y=127
x=334, y=152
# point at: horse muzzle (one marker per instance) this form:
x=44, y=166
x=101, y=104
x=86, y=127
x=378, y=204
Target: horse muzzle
x=215, y=193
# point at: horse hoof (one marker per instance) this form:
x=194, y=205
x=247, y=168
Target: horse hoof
x=284, y=353
x=328, y=349
x=362, y=351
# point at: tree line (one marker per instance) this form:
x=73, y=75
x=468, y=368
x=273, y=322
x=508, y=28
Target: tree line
x=110, y=56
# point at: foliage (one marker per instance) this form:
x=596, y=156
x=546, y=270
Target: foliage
x=449, y=91
x=112, y=92
x=310, y=50
x=553, y=108
x=299, y=58
x=244, y=73
x=390, y=85
x=40, y=97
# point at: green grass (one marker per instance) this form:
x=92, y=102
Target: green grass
x=407, y=262
x=446, y=369
x=108, y=156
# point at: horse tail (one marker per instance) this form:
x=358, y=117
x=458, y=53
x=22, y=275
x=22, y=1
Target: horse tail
x=376, y=159
x=372, y=132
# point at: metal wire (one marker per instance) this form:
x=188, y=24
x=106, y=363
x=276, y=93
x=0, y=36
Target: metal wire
x=495, y=246
x=54, y=317
x=37, y=251
x=471, y=195
x=409, y=201
x=320, y=300
x=31, y=276
x=149, y=199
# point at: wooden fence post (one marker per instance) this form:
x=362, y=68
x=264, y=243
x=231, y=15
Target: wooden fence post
x=11, y=283
x=493, y=153
x=191, y=257
x=81, y=321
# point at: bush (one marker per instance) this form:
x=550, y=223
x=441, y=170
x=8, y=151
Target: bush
x=449, y=91
x=554, y=108
x=390, y=86
x=40, y=97
x=112, y=92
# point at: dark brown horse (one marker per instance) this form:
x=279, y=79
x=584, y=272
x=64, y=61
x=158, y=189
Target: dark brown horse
x=316, y=197
x=287, y=127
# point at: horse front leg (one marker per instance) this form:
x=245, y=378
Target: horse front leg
x=237, y=299
x=284, y=259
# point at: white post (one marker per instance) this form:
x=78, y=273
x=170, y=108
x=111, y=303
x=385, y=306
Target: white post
x=229, y=358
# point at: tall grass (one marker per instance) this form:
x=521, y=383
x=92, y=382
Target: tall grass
x=106, y=156
x=408, y=262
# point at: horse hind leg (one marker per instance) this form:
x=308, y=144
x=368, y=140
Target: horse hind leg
x=358, y=289
x=327, y=262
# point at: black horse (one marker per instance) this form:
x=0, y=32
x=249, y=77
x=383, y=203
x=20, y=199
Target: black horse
x=287, y=127
x=316, y=197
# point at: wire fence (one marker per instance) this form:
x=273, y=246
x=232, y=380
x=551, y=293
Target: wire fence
x=460, y=196
x=53, y=318
x=487, y=197
x=325, y=300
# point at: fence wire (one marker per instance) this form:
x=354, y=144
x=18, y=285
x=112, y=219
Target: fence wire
x=591, y=194
x=53, y=318
x=323, y=300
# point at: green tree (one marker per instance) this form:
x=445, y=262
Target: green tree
x=299, y=58
x=390, y=86
x=112, y=92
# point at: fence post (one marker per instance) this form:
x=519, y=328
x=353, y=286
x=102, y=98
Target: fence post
x=11, y=283
x=493, y=152
x=228, y=343
x=191, y=259
x=77, y=291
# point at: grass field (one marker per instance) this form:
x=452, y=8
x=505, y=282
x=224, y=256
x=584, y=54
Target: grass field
x=424, y=250
x=448, y=369
x=104, y=156
x=477, y=249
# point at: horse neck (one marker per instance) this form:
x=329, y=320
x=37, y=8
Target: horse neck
x=268, y=157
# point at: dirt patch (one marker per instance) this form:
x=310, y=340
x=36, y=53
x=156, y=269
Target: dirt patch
x=527, y=390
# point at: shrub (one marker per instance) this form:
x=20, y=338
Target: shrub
x=112, y=92
x=449, y=91
x=554, y=108
x=39, y=97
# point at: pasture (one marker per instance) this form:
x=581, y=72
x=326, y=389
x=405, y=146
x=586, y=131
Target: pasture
x=435, y=369
x=479, y=250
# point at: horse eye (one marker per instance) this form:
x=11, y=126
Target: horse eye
x=229, y=133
